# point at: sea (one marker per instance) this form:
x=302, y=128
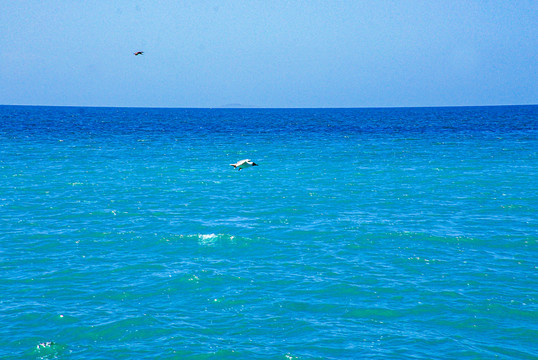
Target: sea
x=390, y=233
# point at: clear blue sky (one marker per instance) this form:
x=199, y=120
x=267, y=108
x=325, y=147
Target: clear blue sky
x=268, y=53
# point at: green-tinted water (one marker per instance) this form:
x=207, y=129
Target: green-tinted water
x=396, y=233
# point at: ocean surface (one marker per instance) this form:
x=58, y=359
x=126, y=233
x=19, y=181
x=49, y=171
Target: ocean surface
x=362, y=234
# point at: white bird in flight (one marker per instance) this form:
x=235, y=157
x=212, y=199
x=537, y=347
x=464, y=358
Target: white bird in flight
x=243, y=164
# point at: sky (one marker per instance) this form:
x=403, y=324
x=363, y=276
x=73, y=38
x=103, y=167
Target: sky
x=270, y=53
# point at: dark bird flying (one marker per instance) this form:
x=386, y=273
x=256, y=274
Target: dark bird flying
x=139, y=53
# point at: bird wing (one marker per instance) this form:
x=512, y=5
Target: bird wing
x=242, y=162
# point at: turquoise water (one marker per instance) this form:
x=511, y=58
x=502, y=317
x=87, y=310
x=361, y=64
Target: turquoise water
x=362, y=234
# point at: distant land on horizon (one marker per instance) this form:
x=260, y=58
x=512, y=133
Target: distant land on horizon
x=239, y=106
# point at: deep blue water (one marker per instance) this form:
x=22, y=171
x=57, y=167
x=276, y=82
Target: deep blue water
x=362, y=234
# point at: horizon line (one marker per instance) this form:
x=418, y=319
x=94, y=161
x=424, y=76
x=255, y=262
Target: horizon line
x=254, y=107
